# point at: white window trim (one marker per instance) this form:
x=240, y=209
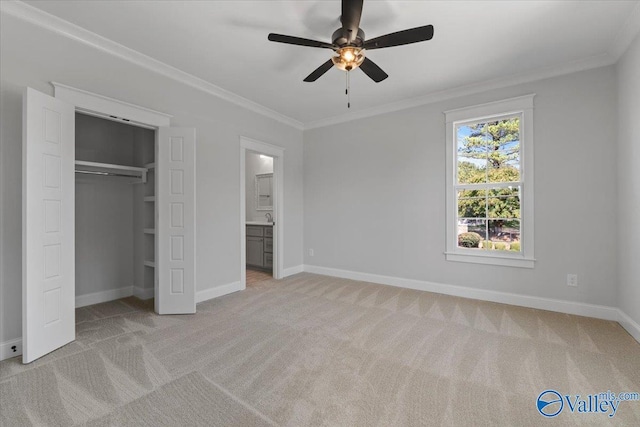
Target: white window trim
x=520, y=105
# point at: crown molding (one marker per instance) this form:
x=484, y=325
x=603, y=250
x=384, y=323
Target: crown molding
x=628, y=32
x=37, y=17
x=498, y=83
x=50, y=22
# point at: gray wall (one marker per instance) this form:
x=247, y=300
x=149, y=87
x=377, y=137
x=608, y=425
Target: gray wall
x=105, y=257
x=254, y=165
x=104, y=234
x=30, y=56
x=629, y=181
x=374, y=193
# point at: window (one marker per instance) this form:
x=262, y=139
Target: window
x=490, y=183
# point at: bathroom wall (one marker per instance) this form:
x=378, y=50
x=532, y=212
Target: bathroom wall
x=255, y=164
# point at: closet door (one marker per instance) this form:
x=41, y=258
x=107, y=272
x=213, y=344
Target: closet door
x=48, y=227
x=175, y=286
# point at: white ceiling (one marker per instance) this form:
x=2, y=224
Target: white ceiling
x=225, y=43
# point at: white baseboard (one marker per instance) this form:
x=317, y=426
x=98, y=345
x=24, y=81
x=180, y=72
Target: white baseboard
x=143, y=293
x=629, y=324
x=7, y=351
x=561, y=306
x=293, y=270
x=569, y=307
x=218, y=291
x=104, y=296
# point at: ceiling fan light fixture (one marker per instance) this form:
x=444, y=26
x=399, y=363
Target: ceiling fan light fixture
x=348, y=58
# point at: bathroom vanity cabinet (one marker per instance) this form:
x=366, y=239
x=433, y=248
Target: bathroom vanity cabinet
x=260, y=246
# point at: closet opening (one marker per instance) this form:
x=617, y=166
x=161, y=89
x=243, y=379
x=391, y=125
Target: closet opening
x=108, y=211
x=115, y=212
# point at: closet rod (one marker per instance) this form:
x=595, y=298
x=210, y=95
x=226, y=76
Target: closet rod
x=107, y=174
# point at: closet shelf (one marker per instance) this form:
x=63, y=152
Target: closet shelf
x=150, y=165
x=107, y=169
x=149, y=231
x=150, y=198
x=150, y=264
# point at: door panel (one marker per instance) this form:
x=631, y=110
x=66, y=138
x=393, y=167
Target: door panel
x=175, y=209
x=48, y=224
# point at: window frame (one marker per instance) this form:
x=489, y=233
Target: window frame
x=522, y=106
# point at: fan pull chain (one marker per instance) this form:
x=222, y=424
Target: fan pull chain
x=347, y=90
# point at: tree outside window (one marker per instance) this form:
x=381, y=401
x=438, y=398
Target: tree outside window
x=488, y=184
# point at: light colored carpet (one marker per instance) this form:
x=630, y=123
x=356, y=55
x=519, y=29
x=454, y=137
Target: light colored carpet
x=315, y=350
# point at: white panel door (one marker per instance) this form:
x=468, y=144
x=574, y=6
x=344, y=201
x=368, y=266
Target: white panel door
x=48, y=224
x=175, y=286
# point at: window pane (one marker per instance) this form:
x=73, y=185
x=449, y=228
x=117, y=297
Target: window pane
x=505, y=173
x=471, y=232
x=471, y=208
x=503, y=207
x=471, y=147
x=471, y=170
x=503, y=150
x=504, y=234
x=472, y=140
x=472, y=204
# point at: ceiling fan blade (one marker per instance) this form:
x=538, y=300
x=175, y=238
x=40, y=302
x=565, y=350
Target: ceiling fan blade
x=372, y=70
x=413, y=35
x=351, y=14
x=298, y=41
x=318, y=72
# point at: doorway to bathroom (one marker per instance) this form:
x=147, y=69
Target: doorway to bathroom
x=261, y=202
x=259, y=217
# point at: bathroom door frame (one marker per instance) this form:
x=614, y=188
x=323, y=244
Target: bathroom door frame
x=259, y=147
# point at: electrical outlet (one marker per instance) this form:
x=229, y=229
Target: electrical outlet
x=572, y=280
x=310, y=252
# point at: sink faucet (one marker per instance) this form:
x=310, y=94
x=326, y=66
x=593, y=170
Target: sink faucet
x=269, y=217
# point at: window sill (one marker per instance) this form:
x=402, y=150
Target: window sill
x=506, y=261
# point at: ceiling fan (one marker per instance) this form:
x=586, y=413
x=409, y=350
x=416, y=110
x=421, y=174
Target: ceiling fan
x=349, y=44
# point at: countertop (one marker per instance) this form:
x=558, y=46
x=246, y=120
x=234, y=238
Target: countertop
x=259, y=223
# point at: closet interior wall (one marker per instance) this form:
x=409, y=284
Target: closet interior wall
x=111, y=216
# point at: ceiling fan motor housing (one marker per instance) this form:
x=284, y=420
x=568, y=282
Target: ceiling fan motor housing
x=341, y=38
